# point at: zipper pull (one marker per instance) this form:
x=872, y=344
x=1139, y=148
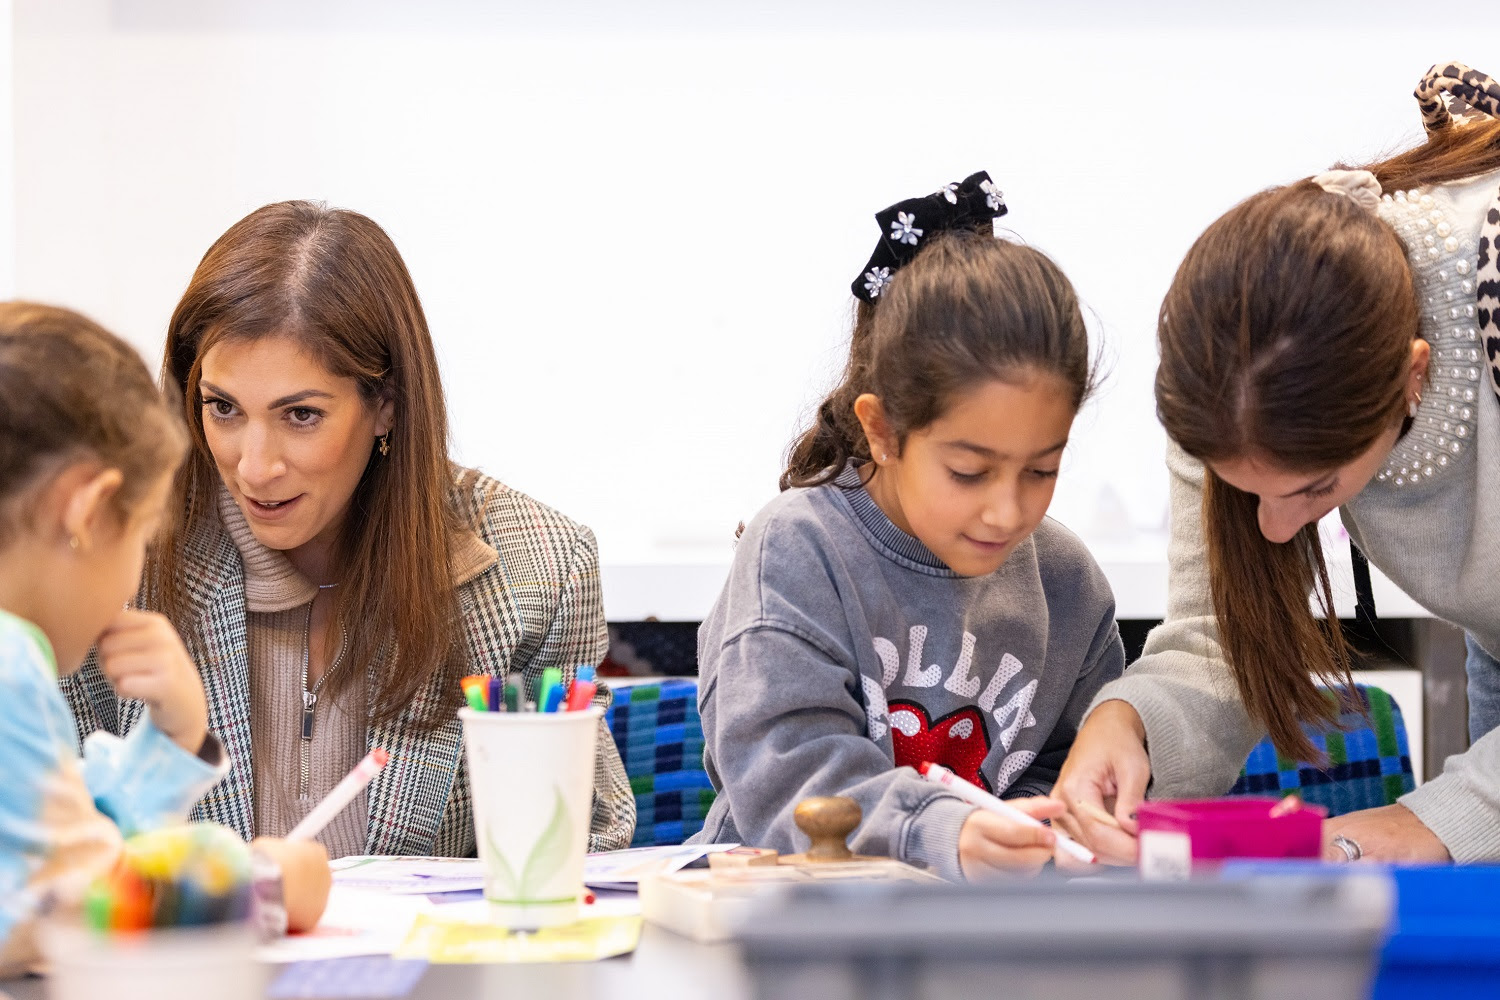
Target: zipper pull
x=309, y=706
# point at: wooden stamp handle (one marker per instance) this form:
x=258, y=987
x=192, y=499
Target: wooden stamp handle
x=828, y=823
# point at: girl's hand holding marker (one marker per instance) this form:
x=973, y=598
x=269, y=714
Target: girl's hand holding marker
x=1005, y=836
x=303, y=862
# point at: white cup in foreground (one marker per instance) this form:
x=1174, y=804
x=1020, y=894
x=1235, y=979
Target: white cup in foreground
x=532, y=778
x=180, y=963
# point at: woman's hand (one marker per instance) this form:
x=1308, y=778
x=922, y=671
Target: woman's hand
x=143, y=657
x=1389, y=833
x=1106, y=773
x=990, y=845
x=305, y=878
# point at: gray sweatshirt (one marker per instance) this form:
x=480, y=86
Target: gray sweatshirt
x=842, y=652
x=1424, y=521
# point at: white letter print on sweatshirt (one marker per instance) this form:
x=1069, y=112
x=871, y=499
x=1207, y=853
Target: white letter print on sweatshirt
x=1013, y=716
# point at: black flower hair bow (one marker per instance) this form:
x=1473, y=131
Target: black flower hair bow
x=904, y=227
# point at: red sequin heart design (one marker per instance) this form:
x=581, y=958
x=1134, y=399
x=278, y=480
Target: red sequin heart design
x=958, y=741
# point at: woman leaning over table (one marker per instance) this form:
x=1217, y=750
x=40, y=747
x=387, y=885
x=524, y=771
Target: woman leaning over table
x=1328, y=344
x=332, y=572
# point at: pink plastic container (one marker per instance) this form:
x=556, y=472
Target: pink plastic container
x=1180, y=838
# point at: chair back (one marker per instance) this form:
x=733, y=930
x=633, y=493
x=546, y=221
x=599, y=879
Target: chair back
x=1369, y=761
x=660, y=736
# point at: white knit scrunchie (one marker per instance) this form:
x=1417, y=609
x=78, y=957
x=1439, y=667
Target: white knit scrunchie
x=1359, y=186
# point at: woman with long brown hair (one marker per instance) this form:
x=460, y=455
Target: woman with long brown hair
x=332, y=571
x=1327, y=344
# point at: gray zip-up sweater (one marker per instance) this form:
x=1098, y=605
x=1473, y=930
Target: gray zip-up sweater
x=842, y=652
x=1428, y=521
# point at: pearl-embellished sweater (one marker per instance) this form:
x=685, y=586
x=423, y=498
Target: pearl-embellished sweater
x=1428, y=520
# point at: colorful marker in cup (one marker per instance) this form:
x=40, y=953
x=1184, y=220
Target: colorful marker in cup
x=484, y=693
x=580, y=695
x=476, y=691
x=551, y=680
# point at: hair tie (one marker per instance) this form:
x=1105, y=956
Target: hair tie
x=1467, y=90
x=904, y=227
x=1359, y=186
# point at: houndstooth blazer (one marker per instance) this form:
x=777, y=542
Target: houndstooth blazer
x=538, y=606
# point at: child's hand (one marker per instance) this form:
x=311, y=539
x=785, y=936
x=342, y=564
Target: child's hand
x=989, y=844
x=305, y=878
x=143, y=657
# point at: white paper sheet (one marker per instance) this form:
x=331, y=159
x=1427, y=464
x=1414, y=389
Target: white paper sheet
x=423, y=876
x=408, y=875
x=357, y=922
x=625, y=869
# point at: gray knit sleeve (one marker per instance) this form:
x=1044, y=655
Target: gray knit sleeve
x=781, y=723
x=1461, y=806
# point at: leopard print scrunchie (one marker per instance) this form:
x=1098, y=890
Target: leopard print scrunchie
x=1475, y=89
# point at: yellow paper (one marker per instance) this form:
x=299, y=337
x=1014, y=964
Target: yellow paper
x=452, y=942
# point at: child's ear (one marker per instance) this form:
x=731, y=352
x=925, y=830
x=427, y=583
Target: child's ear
x=871, y=414
x=88, y=492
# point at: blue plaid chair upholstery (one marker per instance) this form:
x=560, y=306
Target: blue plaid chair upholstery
x=660, y=737
x=1369, y=762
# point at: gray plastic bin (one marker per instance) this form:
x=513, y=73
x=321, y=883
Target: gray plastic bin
x=1279, y=937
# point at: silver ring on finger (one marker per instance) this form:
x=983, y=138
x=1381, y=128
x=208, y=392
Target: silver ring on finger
x=1350, y=847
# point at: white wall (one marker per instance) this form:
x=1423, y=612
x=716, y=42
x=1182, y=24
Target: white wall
x=634, y=226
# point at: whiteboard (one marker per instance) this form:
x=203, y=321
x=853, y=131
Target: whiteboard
x=633, y=226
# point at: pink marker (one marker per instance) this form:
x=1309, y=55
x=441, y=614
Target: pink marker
x=580, y=695
x=975, y=795
x=339, y=798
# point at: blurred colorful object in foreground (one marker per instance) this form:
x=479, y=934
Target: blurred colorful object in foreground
x=180, y=876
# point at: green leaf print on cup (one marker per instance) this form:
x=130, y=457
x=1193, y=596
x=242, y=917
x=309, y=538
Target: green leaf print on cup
x=500, y=872
x=548, y=855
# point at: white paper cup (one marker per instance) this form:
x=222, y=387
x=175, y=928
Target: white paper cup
x=185, y=963
x=532, y=778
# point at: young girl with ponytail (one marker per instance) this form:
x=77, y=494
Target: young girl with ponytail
x=905, y=599
x=1327, y=344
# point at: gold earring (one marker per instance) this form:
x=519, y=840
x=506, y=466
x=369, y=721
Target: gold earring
x=385, y=443
x=1411, y=408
